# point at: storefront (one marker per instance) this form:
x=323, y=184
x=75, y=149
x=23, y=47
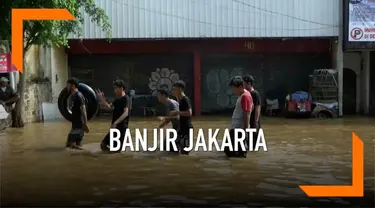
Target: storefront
x=280, y=66
x=359, y=37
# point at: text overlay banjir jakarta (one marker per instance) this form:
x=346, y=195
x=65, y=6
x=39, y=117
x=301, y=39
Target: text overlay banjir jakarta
x=203, y=140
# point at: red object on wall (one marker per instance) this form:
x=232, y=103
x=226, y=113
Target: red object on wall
x=6, y=65
x=202, y=46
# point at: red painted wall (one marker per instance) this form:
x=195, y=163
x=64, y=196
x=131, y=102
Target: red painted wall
x=198, y=48
x=203, y=46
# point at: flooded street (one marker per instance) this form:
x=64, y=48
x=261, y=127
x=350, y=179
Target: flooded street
x=36, y=170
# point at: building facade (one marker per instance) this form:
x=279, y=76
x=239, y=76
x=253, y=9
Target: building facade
x=205, y=42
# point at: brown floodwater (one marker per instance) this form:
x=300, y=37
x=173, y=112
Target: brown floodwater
x=36, y=169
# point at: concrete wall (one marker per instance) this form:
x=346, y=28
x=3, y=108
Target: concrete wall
x=46, y=74
x=59, y=75
x=59, y=71
x=37, y=90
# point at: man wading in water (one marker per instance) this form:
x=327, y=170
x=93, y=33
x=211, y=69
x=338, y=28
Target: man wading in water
x=120, y=116
x=172, y=107
x=79, y=117
x=241, y=114
x=7, y=95
x=255, y=113
x=184, y=113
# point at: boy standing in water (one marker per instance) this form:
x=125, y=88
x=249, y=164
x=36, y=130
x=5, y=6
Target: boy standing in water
x=241, y=114
x=185, y=113
x=79, y=116
x=120, y=115
x=172, y=107
x=255, y=113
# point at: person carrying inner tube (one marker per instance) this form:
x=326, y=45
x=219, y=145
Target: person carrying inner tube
x=255, y=113
x=172, y=107
x=241, y=114
x=185, y=113
x=120, y=115
x=77, y=105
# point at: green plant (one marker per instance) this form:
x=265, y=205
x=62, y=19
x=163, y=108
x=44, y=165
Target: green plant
x=48, y=32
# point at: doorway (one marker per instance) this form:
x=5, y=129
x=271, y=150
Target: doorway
x=372, y=83
x=349, y=91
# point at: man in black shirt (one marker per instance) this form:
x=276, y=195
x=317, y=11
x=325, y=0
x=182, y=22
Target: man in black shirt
x=120, y=115
x=185, y=113
x=77, y=106
x=255, y=113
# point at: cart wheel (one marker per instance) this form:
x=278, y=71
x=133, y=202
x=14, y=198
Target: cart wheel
x=323, y=115
x=92, y=103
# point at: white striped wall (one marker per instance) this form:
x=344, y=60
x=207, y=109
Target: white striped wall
x=217, y=18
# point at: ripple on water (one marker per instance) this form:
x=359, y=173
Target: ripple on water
x=135, y=187
x=204, y=185
x=84, y=203
x=291, y=191
x=254, y=204
x=215, y=161
x=286, y=182
x=277, y=195
x=221, y=170
x=319, y=179
x=209, y=198
x=314, y=156
x=177, y=198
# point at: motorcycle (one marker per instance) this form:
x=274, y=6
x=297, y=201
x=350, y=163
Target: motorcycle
x=325, y=110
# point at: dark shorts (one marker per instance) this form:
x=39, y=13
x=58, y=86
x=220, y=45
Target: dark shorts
x=255, y=138
x=255, y=134
x=106, y=139
x=181, y=142
x=75, y=136
x=240, y=153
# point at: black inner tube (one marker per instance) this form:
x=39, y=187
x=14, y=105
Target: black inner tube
x=92, y=102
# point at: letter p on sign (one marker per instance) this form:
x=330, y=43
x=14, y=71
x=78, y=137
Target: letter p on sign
x=356, y=33
x=18, y=16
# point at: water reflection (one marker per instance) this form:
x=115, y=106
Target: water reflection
x=37, y=170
